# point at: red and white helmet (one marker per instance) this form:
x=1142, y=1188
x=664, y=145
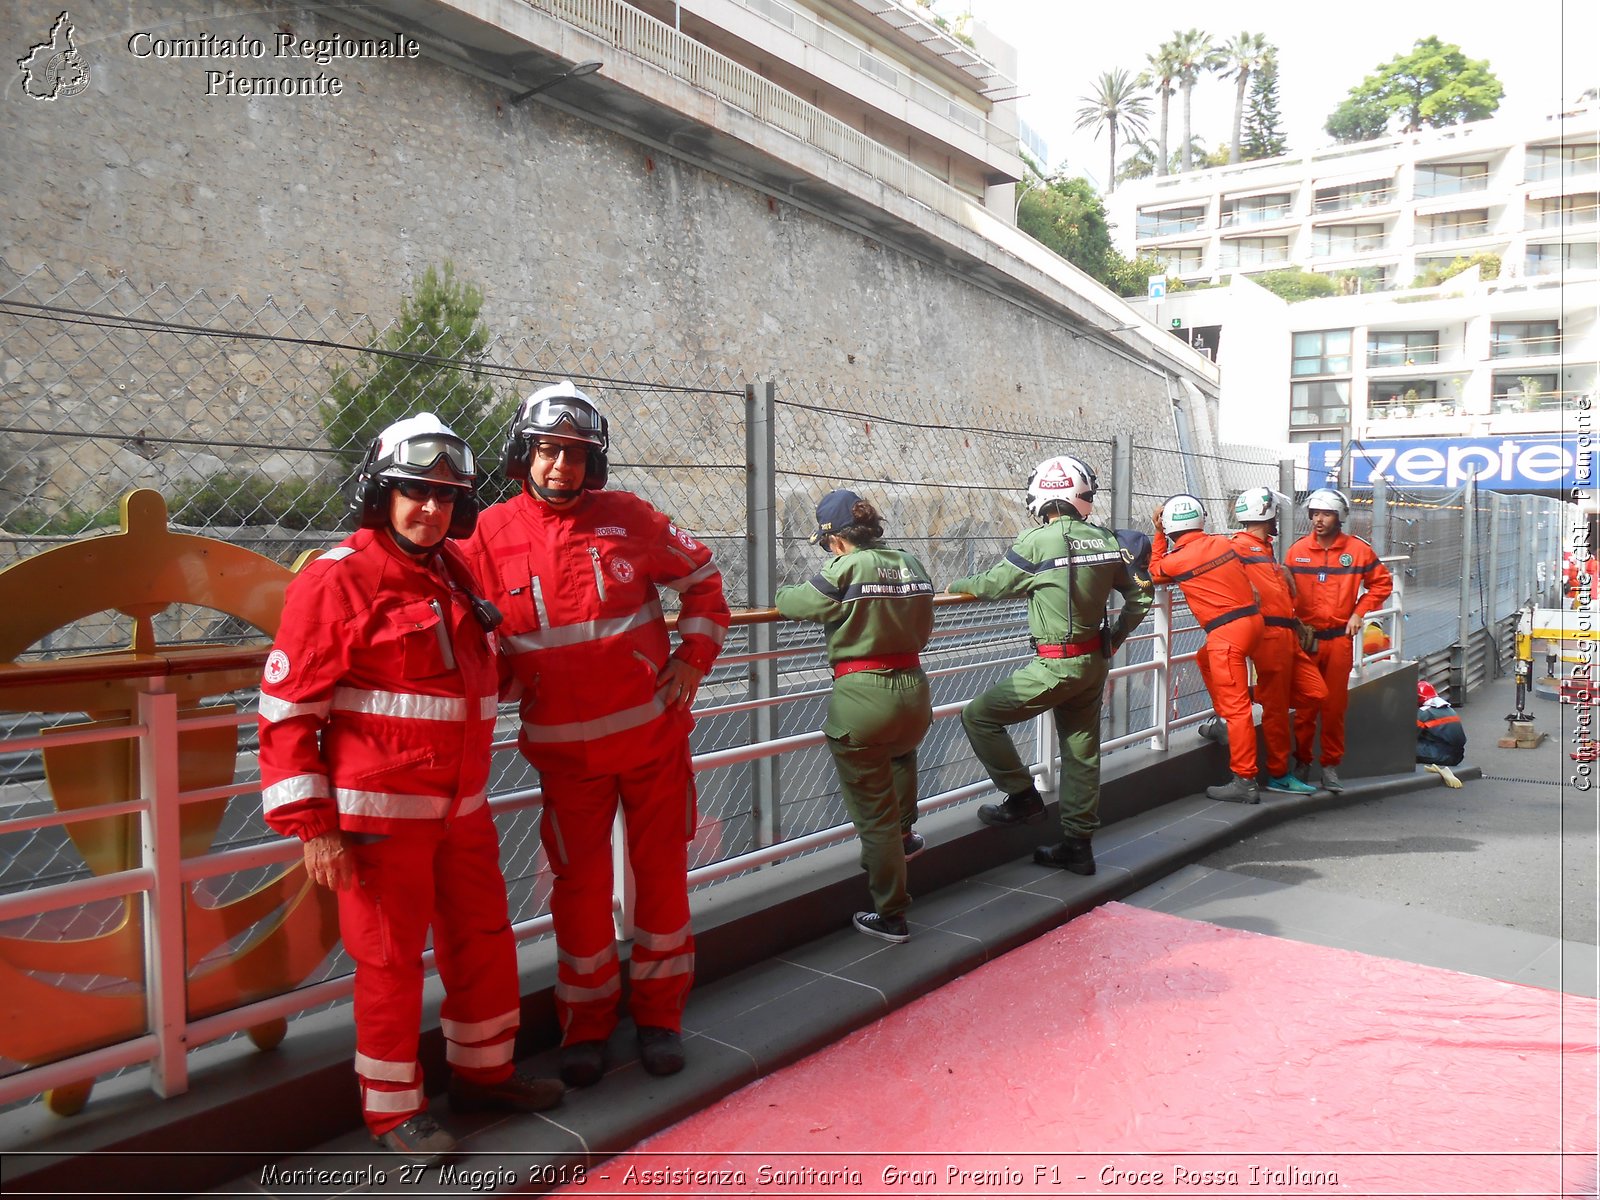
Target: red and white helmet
x=1062, y=479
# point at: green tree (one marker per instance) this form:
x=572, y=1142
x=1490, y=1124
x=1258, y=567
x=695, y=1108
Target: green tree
x=1162, y=75
x=429, y=360
x=1434, y=85
x=1263, y=136
x=1131, y=276
x=1117, y=103
x=1241, y=58
x=1193, y=53
x=1069, y=217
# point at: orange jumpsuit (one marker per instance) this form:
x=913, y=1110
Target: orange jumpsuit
x=1331, y=584
x=1286, y=677
x=1218, y=592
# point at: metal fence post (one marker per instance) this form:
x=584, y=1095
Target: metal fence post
x=1121, y=518
x=1380, y=515
x=1491, y=618
x=1286, y=520
x=1460, y=657
x=761, y=525
x=165, y=961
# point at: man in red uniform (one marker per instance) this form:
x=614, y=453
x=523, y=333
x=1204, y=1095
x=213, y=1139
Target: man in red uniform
x=1338, y=581
x=1219, y=595
x=1286, y=676
x=377, y=711
x=605, y=705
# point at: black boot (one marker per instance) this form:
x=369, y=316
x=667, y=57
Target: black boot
x=1073, y=854
x=1023, y=808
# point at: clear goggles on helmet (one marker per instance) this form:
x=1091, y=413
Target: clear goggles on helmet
x=563, y=416
x=422, y=454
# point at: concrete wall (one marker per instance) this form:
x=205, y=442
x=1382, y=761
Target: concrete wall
x=578, y=236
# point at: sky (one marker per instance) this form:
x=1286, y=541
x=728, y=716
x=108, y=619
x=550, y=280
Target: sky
x=1545, y=55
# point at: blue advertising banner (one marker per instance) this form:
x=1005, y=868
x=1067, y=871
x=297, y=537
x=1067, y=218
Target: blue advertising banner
x=1537, y=463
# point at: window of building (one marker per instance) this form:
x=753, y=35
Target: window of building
x=1322, y=352
x=1253, y=210
x=1371, y=194
x=1558, y=257
x=1323, y=403
x=1447, y=179
x=1527, y=392
x=1452, y=226
x=1183, y=260
x=1346, y=239
x=1167, y=221
x=1253, y=252
x=1561, y=162
x=1557, y=212
x=1402, y=347
x=879, y=69
x=778, y=14
x=1391, y=399
x=1519, y=339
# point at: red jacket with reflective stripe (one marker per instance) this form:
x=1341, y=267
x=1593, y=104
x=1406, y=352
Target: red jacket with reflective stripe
x=584, y=631
x=379, y=698
x=1205, y=566
x=1329, y=583
x=1266, y=574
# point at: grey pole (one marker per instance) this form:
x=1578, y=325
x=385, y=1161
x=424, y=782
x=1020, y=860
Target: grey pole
x=1287, y=521
x=1380, y=514
x=1492, y=616
x=761, y=523
x=1121, y=518
x=1460, y=656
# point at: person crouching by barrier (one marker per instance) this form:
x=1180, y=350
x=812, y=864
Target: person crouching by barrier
x=876, y=604
x=1067, y=568
x=1219, y=594
x=377, y=712
x=1441, y=738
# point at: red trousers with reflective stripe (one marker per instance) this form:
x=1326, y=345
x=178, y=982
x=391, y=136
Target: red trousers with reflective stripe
x=1286, y=678
x=1334, y=659
x=659, y=817
x=449, y=878
x=1223, y=666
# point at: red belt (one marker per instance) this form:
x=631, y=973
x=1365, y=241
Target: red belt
x=886, y=662
x=1068, y=649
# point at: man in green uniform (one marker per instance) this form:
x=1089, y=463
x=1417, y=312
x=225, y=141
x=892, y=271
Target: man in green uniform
x=876, y=604
x=1067, y=568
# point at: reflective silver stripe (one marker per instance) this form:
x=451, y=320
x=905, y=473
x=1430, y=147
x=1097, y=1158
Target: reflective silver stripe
x=489, y=707
x=582, y=731
x=660, y=968
x=337, y=553
x=472, y=803
x=694, y=577
x=496, y=1055
x=572, y=994
x=408, y=706
x=590, y=963
x=467, y=1032
x=539, y=609
x=273, y=709
x=661, y=942
x=705, y=628
x=296, y=787
x=388, y=1071
x=391, y=804
x=375, y=1101
x=582, y=631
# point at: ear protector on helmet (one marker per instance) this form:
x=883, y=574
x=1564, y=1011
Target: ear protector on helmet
x=409, y=449
x=561, y=411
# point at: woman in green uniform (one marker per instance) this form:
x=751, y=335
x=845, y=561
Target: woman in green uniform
x=876, y=604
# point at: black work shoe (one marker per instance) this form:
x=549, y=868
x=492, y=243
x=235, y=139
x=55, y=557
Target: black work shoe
x=520, y=1091
x=914, y=844
x=890, y=929
x=419, y=1138
x=1237, y=790
x=660, y=1050
x=1074, y=854
x=1023, y=808
x=583, y=1063
x=1214, y=730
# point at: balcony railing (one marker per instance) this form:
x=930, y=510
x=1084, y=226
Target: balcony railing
x=1432, y=236
x=1403, y=356
x=1430, y=186
x=1273, y=258
x=1354, y=201
x=1169, y=227
x=1570, y=218
x=1351, y=245
x=1526, y=347
x=1569, y=168
x=1255, y=216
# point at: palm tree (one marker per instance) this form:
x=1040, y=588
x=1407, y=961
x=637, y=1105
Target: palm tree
x=1117, y=103
x=1238, y=60
x=1161, y=74
x=1193, y=53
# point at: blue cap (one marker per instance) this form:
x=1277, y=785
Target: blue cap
x=835, y=511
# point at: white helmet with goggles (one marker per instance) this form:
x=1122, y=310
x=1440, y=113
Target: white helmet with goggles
x=1064, y=480
x=411, y=449
x=558, y=411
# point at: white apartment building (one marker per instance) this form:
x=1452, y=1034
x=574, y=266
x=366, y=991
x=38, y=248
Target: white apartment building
x=1473, y=357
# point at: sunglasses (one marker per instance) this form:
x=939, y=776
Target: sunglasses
x=550, y=451
x=420, y=491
